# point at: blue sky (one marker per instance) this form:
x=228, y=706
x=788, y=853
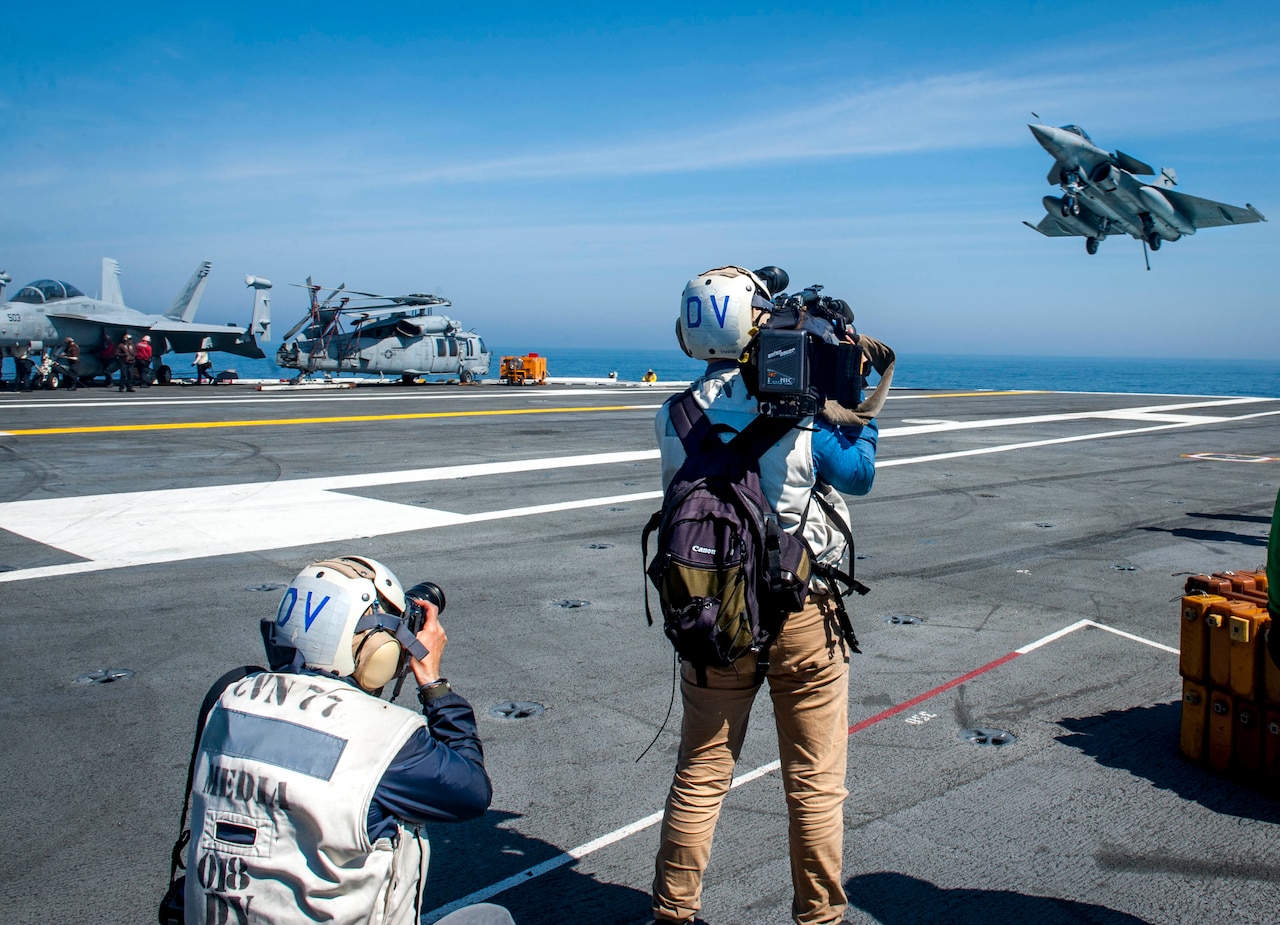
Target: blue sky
x=559, y=172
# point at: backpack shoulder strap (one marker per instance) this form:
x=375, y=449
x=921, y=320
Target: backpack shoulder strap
x=689, y=421
x=834, y=516
x=758, y=437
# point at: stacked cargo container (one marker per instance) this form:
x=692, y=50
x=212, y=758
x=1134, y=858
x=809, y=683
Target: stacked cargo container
x=1231, y=686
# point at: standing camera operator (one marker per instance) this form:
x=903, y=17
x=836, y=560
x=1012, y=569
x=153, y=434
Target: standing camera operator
x=308, y=791
x=807, y=670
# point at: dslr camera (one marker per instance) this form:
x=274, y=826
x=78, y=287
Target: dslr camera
x=803, y=354
x=414, y=615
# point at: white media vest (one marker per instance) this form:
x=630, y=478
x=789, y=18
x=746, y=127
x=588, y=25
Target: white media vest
x=285, y=775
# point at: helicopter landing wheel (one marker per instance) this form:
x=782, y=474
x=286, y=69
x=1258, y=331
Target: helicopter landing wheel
x=1091, y=245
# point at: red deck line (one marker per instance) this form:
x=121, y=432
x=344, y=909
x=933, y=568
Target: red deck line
x=907, y=705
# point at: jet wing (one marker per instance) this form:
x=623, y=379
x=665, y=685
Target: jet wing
x=183, y=336
x=119, y=320
x=1051, y=227
x=190, y=336
x=1205, y=213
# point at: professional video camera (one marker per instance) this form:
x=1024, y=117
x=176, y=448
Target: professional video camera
x=804, y=353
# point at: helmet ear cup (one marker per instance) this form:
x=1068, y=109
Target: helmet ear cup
x=377, y=658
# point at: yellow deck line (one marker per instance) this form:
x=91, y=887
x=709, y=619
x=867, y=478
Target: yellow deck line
x=269, y=422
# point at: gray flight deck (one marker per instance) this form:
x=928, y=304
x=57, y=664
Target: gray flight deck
x=150, y=532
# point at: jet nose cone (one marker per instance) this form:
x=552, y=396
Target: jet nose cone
x=1045, y=135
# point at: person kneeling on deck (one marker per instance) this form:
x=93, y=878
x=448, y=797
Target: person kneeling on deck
x=308, y=792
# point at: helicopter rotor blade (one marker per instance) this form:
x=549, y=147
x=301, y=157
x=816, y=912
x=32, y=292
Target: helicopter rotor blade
x=296, y=328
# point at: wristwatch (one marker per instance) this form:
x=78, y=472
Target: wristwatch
x=434, y=691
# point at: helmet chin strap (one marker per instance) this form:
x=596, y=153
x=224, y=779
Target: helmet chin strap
x=396, y=627
x=399, y=629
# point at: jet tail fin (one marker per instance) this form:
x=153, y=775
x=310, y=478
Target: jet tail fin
x=111, y=282
x=260, y=325
x=188, y=300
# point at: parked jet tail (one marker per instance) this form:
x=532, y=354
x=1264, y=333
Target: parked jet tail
x=111, y=282
x=260, y=325
x=186, y=336
x=188, y=300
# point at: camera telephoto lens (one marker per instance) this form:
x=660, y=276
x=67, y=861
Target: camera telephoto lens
x=841, y=307
x=427, y=591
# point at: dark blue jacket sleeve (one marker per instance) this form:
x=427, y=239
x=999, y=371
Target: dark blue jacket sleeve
x=845, y=457
x=439, y=774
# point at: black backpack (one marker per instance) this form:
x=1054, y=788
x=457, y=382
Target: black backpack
x=725, y=571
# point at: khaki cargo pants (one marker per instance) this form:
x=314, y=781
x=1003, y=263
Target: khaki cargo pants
x=809, y=683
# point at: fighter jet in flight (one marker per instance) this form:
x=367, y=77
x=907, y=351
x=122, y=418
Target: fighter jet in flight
x=1103, y=196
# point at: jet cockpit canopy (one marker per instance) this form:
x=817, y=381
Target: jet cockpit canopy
x=46, y=290
x=1077, y=130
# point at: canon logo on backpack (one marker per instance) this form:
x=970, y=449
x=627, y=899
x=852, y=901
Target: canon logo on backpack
x=704, y=550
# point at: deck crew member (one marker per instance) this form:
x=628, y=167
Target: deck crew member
x=142, y=361
x=71, y=358
x=126, y=354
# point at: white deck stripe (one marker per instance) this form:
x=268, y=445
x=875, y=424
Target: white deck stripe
x=147, y=527
x=573, y=854
x=1052, y=637
x=1146, y=642
x=1078, y=438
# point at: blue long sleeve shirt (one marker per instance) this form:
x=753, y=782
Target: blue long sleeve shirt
x=845, y=457
x=439, y=774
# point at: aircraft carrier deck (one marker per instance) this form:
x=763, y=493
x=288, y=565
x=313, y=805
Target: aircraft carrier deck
x=1025, y=551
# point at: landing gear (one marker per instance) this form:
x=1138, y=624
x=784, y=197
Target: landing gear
x=1091, y=245
x=1149, y=231
x=408, y=378
x=465, y=377
x=1070, y=206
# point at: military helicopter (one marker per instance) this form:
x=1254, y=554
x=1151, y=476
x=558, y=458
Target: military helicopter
x=363, y=332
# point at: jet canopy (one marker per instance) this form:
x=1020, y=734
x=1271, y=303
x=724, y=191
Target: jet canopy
x=46, y=290
x=1077, y=130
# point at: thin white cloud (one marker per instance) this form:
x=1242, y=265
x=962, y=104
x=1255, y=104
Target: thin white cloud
x=971, y=110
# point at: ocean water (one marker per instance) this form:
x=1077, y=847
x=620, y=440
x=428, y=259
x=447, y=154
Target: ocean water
x=1259, y=378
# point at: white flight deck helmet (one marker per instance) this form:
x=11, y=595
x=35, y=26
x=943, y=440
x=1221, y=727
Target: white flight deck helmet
x=342, y=615
x=719, y=311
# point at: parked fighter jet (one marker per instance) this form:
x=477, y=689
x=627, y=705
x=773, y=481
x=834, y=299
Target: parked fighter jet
x=43, y=313
x=1103, y=196
x=362, y=332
